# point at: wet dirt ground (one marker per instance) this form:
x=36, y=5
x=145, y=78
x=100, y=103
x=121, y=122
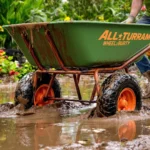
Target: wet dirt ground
x=51, y=128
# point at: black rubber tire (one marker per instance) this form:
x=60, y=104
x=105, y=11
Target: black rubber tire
x=24, y=90
x=110, y=90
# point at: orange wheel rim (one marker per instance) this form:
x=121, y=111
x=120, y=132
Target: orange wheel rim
x=127, y=131
x=40, y=94
x=126, y=100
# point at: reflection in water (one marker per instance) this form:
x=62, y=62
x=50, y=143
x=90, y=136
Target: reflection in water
x=7, y=92
x=127, y=131
x=105, y=131
x=48, y=130
x=44, y=130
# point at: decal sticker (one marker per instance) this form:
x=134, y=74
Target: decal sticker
x=121, y=39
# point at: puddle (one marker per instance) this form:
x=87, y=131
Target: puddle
x=7, y=92
x=46, y=129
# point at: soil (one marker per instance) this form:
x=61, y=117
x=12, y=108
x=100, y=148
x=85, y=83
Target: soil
x=64, y=127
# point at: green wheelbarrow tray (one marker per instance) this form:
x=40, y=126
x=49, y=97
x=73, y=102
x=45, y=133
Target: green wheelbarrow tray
x=81, y=48
x=80, y=44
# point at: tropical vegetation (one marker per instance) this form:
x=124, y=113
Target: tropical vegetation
x=24, y=11
x=13, y=69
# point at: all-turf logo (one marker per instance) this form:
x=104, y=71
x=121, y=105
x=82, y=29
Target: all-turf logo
x=121, y=39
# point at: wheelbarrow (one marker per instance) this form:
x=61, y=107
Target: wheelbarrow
x=81, y=48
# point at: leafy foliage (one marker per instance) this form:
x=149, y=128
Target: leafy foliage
x=23, y=11
x=12, y=68
x=103, y=10
x=20, y=11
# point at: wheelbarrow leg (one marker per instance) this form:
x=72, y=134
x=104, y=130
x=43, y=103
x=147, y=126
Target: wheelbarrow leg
x=50, y=84
x=76, y=81
x=96, y=88
x=93, y=92
x=126, y=70
x=97, y=84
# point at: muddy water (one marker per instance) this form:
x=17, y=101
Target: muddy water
x=52, y=128
x=7, y=92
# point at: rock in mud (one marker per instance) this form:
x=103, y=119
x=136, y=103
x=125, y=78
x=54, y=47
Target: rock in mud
x=23, y=112
x=95, y=114
x=6, y=107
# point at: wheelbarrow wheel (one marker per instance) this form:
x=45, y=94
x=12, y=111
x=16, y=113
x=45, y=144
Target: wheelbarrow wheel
x=119, y=92
x=40, y=93
x=24, y=90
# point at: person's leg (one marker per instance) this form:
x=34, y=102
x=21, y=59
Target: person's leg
x=144, y=64
x=144, y=20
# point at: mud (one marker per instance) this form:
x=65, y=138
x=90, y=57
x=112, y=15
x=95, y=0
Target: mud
x=48, y=129
x=66, y=126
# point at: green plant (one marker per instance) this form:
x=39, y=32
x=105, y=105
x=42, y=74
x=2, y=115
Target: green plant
x=23, y=11
x=101, y=10
x=2, y=36
x=12, y=68
x=24, y=69
x=20, y=11
x=6, y=64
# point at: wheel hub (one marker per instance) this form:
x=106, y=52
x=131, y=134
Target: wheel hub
x=39, y=97
x=123, y=104
x=127, y=100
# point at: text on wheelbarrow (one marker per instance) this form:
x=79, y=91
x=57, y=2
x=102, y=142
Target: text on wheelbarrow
x=121, y=39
